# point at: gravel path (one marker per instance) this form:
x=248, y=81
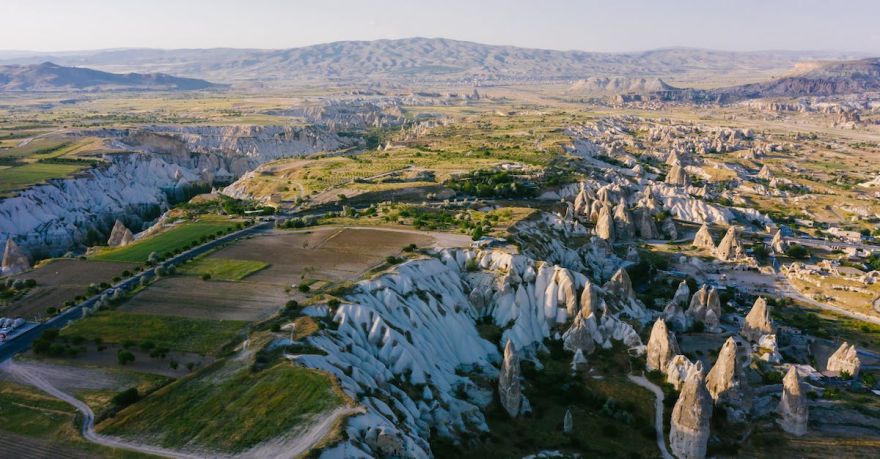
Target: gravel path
x=658, y=411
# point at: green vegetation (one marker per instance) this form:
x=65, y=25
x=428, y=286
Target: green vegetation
x=178, y=238
x=493, y=184
x=222, y=268
x=18, y=177
x=179, y=333
x=232, y=414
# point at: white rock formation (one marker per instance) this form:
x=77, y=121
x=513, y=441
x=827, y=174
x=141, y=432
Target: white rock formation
x=793, y=409
x=729, y=249
x=674, y=313
x=567, y=423
x=15, y=260
x=677, y=177
x=689, y=425
x=844, y=359
x=678, y=369
x=767, y=349
x=778, y=244
x=661, y=348
x=705, y=307
x=605, y=224
x=625, y=299
x=509, y=384
x=120, y=235
x=624, y=228
x=703, y=239
x=757, y=322
x=725, y=381
x=645, y=224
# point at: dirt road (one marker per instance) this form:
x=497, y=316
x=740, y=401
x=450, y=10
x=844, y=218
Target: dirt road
x=658, y=411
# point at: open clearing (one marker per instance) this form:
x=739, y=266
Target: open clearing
x=177, y=333
x=178, y=237
x=323, y=253
x=60, y=281
x=192, y=297
x=223, y=269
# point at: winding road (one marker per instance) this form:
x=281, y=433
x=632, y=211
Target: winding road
x=658, y=411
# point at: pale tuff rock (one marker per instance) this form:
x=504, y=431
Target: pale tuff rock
x=764, y=173
x=567, y=423
x=674, y=313
x=661, y=347
x=120, y=235
x=648, y=201
x=581, y=336
x=589, y=300
x=678, y=369
x=578, y=361
x=15, y=260
x=703, y=239
x=645, y=224
x=705, y=307
x=793, y=405
x=845, y=358
x=677, y=177
x=625, y=299
x=757, y=322
x=624, y=229
x=620, y=284
x=582, y=201
x=605, y=225
x=669, y=228
x=725, y=381
x=689, y=425
x=388, y=443
x=768, y=350
x=595, y=210
x=638, y=170
x=778, y=244
x=729, y=248
x=673, y=159
x=509, y=385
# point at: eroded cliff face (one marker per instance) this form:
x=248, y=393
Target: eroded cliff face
x=416, y=327
x=63, y=215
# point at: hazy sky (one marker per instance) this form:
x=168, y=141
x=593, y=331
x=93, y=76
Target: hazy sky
x=619, y=25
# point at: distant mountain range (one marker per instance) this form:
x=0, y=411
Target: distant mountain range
x=52, y=77
x=426, y=60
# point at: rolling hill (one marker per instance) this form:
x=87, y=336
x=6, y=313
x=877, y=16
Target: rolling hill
x=52, y=77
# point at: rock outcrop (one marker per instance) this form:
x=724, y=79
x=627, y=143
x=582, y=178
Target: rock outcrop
x=15, y=260
x=678, y=369
x=120, y=235
x=703, y=239
x=844, y=359
x=624, y=229
x=662, y=347
x=509, y=384
x=757, y=322
x=705, y=307
x=792, y=408
x=778, y=244
x=691, y=416
x=767, y=349
x=645, y=224
x=725, y=381
x=567, y=423
x=673, y=313
x=677, y=176
x=605, y=225
x=729, y=249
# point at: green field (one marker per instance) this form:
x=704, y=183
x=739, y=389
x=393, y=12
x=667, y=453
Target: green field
x=177, y=333
x=176, y=238
x=223, y=268
x=50, y=422
x=18, y=177
x=227, y=411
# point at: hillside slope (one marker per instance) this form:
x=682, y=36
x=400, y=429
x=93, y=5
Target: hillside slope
x=52, y=77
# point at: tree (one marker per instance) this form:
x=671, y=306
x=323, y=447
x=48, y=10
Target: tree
x=124, y=357
x=126, y=397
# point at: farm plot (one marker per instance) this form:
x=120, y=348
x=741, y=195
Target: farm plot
x=187, y=296
x=325, y=253
x=179, y=237
x=60, y=281
x=222, y=268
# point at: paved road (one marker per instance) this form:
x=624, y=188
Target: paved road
x=658, y=411
x=23, y=342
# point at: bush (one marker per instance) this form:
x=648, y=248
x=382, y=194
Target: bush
x=126, y=397
x=797, y=251
x=304, y=288
x=333, y=303
x=124, y=357
x=471, y=265
x=206, y=276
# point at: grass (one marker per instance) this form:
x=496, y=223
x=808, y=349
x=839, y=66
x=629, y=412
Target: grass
x=31, y=413
x=179, y=237
x=228, y=412
x=178, y=333
x=223, y=268
x=18, y=177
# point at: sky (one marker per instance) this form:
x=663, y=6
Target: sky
x=612, y=26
